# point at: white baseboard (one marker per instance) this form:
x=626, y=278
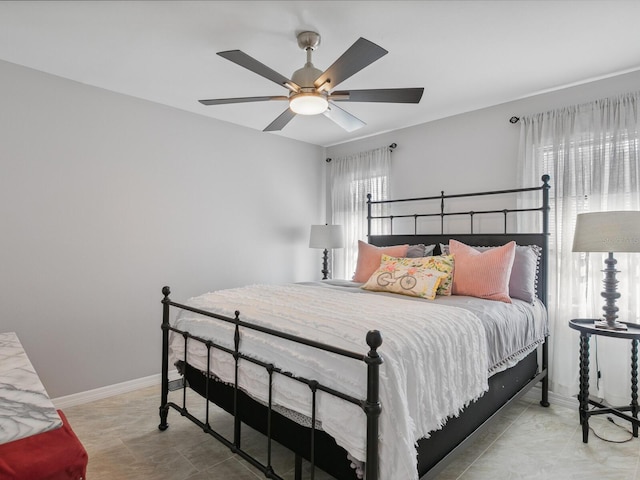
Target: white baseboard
x=535, y=394
x=109, y=391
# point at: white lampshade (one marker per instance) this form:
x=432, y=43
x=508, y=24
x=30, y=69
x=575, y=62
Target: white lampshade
x=607, y=232
x=326, y=236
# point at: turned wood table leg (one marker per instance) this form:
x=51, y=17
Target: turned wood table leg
x=583, y=397
x=634, y=383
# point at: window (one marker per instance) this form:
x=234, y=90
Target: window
x=592, y=154
x=351, y=179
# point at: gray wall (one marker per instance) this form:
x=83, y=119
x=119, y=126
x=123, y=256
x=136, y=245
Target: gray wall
x=105, y=198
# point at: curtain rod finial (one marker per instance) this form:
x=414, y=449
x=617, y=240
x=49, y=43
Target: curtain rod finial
x=514, y=119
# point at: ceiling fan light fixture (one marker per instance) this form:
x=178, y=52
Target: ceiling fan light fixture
x=308, y=103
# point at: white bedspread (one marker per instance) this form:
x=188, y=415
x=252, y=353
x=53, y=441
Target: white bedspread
x=435, y=360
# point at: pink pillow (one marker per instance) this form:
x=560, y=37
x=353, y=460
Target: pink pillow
x=482, y=274
x=369, y=257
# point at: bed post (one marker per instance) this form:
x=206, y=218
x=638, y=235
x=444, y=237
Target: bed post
x=164, y=407
x=372, y=406
x=368, y=217
x=545, y=230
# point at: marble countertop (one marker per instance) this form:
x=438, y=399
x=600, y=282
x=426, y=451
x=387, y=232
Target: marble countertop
x=25, y=407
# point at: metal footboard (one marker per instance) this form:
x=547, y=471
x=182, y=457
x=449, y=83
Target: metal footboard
x=370, y=406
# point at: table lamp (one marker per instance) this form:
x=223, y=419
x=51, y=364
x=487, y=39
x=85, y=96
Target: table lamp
x=326, y=237
x=608, y=232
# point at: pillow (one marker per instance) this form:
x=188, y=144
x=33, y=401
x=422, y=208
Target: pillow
x=524, y=274
x=420, y=250
x=369, y=258
x=482, y=274
x=443, y=264
x=407, y=276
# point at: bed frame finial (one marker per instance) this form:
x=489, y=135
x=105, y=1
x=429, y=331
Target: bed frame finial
x=374, y=340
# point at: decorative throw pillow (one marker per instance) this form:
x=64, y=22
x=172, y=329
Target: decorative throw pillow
x=420, y=250
x=369, y=257
x=407, y=276
x=524, y=274
x=482, y=274
x=443, y=264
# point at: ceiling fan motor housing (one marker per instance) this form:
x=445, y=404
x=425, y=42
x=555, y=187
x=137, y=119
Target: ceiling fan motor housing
x=305, y=77
x=308, y=101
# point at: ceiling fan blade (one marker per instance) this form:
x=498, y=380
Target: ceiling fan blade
x=388, y=95
x=359, y=55
x=280, y=122
x=343, y=118
x=250, y=63
x=224, y=101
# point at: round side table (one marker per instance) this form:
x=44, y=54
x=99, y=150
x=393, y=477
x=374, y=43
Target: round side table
x=586, y=327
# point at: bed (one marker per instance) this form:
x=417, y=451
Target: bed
x=359, y=382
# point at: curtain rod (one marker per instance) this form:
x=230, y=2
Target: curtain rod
x=391, y=147
x=514, y=119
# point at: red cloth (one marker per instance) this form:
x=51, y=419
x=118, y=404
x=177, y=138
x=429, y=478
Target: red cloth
x=52, y=455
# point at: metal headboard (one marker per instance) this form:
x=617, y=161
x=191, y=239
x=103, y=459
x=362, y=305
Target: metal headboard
x=540, y=238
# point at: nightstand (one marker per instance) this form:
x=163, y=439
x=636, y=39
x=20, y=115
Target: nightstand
x=586, y=327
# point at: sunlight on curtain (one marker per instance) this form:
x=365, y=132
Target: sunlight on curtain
x=591, y=152
x=351, y=179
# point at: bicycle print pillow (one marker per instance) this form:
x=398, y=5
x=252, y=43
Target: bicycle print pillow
x=407, y=276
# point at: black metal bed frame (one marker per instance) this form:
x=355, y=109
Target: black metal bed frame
x=371, y=404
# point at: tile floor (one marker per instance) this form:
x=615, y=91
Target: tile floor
x=528, y=442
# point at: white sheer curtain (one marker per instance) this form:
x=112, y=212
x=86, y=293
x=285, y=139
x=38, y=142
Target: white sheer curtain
x=592, y=153
x=351, y=179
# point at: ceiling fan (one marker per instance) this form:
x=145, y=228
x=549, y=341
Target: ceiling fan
x=311, y=91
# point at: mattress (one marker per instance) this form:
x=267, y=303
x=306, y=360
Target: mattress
x=437, y=355
x=513, y=329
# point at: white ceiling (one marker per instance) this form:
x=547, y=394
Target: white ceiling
x=466, y=54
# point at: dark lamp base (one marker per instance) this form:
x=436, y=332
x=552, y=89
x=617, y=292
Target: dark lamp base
x=610, y=294
x=325, y=265
x=603, y=324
